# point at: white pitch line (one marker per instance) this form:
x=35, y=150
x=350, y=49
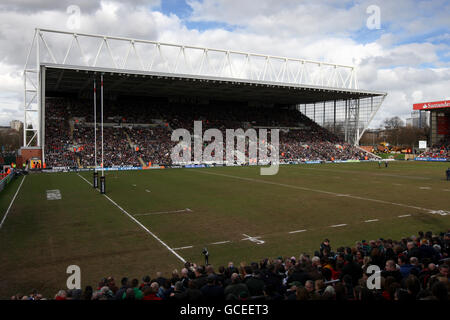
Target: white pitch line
x=253, y=239
x=12, y=201
x=373, y=220
x=375, y=174
x=297, y=231
x=404, y=216
x=181, y=248
x=338, y=225
x=146, y=190
x=316, y=190
x=424, y=188
x=138, y=223
x=162, y=212
x=446, y=189
x=221, y=242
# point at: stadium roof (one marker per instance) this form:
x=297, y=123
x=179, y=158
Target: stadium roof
x=135, y=67
x=77, y=80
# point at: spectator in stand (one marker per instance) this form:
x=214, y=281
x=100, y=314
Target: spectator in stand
x=136, y=134
x=305, y=278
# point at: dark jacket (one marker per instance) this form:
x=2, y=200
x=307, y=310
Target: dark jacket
x=299, y=275
x=354, y=270
x=255, y=286
x=396, y=274
x=212, y=293
x=235, y=289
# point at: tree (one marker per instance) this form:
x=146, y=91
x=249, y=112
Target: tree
x=393, y=123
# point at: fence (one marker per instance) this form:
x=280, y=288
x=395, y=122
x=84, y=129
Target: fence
x=6, y=179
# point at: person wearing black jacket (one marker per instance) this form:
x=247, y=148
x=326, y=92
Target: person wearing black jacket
x=298, y=275
x=125, y=285
x=412, y=251
x=212, y=292
x=254, y=282
x=352, y=269
x=391, y=271
x=325, y=245
x=200, y=277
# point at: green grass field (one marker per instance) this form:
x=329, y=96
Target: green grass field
x=236, y=213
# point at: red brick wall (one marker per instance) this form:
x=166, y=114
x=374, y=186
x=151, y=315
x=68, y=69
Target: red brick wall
x=28, y=154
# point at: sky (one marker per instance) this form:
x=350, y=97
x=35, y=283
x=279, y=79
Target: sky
x=400, y=47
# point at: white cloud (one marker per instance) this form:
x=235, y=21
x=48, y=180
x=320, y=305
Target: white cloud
x=307, y=29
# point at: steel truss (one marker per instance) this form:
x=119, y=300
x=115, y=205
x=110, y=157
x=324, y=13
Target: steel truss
x=348, y=119
x=90, y=50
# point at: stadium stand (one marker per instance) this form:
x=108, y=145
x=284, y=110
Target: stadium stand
x=440, y=150
x=136, y=134
x=413, y=268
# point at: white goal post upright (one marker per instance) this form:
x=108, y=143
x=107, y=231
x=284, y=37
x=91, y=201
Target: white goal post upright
x=95, y=124
x=95, y=175
x=102, y=178
x=101, y=104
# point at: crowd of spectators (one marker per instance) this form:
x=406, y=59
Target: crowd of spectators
x=57, y=139
x=413, y=268
x=439, y=150
x=149, y=127
x=116, y=148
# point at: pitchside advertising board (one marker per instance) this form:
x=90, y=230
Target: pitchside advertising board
x=443, y=120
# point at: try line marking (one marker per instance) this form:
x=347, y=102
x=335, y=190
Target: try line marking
x=140, y=224
x=181, y=248
x=297, y=231
x=161, y=212
x=317, y=190
x=12, y=201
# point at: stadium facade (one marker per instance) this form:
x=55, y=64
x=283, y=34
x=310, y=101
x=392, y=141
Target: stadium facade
x=439, y=114
x=64, y=62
